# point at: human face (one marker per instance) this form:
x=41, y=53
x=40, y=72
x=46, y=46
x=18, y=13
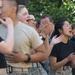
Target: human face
x=73, y=31
x=44, y=21
x=32, y=21
x=23, y=15
x=67, y=29
x=5, y=9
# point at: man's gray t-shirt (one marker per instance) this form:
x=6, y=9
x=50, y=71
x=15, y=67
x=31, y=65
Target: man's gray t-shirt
x=25, y=38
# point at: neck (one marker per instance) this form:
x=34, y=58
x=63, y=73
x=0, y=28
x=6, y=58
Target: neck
x=65, y=39
x=15, y=20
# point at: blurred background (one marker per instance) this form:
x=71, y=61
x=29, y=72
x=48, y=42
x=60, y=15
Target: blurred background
x=58, y=9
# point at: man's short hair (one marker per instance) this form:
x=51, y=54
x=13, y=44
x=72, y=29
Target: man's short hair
x=13, y=3
x=45, y=16
x=17, y=2
x=21, y=7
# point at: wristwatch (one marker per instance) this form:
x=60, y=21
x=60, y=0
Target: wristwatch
x=29, y=58
x=42, y=37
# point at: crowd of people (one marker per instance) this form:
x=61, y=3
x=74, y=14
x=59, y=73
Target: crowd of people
x=28, y=47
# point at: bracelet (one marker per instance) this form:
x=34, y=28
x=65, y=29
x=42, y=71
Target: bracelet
x=29, y=58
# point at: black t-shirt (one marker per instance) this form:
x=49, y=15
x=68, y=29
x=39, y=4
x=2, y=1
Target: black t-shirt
x=62, y=51
x=73, y=70
x=2, y=59
x=73, y=39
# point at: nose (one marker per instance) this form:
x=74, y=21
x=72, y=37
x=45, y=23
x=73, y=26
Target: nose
x=28, y=16
x=70, y=26
x=0, y=12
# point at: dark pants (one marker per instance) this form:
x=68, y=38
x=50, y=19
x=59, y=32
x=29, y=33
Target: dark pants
x=46, y=65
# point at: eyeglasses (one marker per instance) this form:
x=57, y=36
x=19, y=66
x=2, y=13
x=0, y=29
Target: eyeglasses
x=31, y=20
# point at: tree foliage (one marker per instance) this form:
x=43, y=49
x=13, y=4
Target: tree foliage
x=58, y=9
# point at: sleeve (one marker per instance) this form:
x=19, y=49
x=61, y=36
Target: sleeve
x=74, y=46
x=35, y=40
x=1, y=39
x=54, y=51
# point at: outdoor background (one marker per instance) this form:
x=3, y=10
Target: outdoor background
x=58, y=9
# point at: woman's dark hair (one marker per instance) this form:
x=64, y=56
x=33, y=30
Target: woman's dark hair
x=58, y=25
x=73, y=26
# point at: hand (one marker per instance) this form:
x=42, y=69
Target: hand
x=47, y=29
x=71, y=57
x=6, y=22
x=73, y=64
x=15, y=57
x=44, y=22
x=56, y=40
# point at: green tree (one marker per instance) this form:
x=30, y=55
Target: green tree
x=58, y=9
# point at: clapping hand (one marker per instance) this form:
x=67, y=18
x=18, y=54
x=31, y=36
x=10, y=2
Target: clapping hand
x=56, y=40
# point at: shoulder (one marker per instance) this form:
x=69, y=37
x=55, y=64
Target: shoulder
x=2, y=26
x=29, y=31
x=25, y=27
x=71, y=42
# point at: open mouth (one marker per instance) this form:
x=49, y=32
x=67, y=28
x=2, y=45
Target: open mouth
x=70, y=31
x=28, y=20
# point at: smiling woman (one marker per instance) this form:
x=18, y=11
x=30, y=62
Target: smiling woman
x=62, y=54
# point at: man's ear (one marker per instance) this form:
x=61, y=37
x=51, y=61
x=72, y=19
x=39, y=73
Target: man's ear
x=60, y=31
x=14, y=9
